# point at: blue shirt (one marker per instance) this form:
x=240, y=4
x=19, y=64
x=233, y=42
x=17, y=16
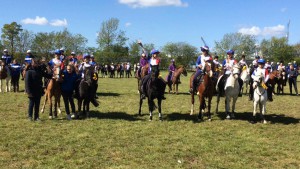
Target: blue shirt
x=28, y=59
x=15, y=69
x=69, y=79
x=6, y=59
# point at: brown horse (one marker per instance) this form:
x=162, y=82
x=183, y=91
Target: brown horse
x=205, y=89
x=53, y=89
x=279, y=79
x=174, y=81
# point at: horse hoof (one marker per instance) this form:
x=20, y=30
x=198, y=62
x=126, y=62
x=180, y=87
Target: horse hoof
x=228, y=117
x=265, y=122
x=150, y=119
x=209, y=119
x=50, y=117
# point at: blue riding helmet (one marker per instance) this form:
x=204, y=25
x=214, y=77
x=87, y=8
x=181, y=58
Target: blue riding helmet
x=153, y=51
x=261, y=61
x=204, y=48
x=230, y=51
x=86, y=56
x=57, y=52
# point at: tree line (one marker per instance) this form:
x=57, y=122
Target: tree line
x=115, y=46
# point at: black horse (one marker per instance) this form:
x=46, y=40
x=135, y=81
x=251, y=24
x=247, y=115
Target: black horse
x=154, y=88
x=87, y=91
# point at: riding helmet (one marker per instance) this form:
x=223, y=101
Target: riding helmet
x=153, y=51
x=261, y=61
x=204, y=48
x=230, y=51
x=57, y=51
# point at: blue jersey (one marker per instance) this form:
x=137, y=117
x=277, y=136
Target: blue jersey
x=28, y=59
x=6, y=59
x=15, y=69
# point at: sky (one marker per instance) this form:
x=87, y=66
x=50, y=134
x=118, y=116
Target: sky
x=159, y=21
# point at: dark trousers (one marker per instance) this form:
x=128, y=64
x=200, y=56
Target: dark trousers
x=293, y=81
x=15, y=83
x=68, y=98
x=34, y=103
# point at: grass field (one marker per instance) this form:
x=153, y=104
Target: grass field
x=116, y=137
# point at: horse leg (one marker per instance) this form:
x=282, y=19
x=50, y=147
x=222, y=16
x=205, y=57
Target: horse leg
x=177, y=88
x=263, y=111
x=233, y=106
x=150, y=105
x=254, y=111
x=159, y=109
x=79, y=108
x=45, y=101
x=209, y=107
x=1, y=85
x=141, y=103
x=201, y=107
x=227, y=106
x=50, y=106
x=218, y=100
x=192, y=100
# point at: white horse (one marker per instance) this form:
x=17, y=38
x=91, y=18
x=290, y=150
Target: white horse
x=232, y=90
x=260, y=97
x=245, y=76
x=5, y=75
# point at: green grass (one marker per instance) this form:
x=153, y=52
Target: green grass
x=116, y=137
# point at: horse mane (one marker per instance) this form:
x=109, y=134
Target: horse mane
x=180, y=66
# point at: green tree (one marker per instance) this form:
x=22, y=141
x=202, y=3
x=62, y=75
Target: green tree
x=240, y=43
x=182, y=52
x=25, y=41
x=112, y=41
x=10, y=35
x=281, y=50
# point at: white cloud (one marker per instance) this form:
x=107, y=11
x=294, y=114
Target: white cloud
x=153, y=3
x=127, y=24
x=37, y=21
x=250, y=31
x=266, y=31
x=58, y=22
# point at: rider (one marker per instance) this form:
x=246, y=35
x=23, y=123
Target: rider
x=172, y=68
x=28, y=58
x=154, y=62
x=143, y=62
x=254, y=67
x=6, y=59
x=62, y=58
x=243, y=62
x=56, y=63
x=227, y=65
x=204, y=57
x=268, y=66
x=73, y=60
x=262, y=71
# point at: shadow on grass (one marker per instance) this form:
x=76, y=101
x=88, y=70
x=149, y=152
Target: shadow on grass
x=113, y=116
x=107, y=94
x=179, y=116
x=273, y=118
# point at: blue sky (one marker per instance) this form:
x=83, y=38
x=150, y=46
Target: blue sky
x=159, y=21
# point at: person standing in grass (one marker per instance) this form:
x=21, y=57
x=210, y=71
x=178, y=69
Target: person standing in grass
x=292, y=76
x=15, y=75
x=69, y=77
x=34, y=88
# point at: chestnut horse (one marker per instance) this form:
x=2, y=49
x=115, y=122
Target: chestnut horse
x=205, y=89
x=53, y=89
x=280, y=80
x=175, y=78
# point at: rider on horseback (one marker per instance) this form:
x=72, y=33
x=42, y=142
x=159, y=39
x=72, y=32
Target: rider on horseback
x=73, y=60
x=143, y=62
x=265, y=73
x=172, y=68
x=204, y=57
x=154, y=66
x=253, y=68
x=6, y=59
x=228, y=64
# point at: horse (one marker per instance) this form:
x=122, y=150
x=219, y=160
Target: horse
x=5, y=75
x=120, y=70
x=53, y=90
x=154, y=89
x=260, y=98
x=204, y=90
x=245, y=76
x=174, y=81
x=232, y=90
x=280, y=80
x=87, y=92
x=104, y=71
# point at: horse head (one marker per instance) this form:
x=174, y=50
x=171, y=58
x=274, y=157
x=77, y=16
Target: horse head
x=181, y=69
x=208, y=67
x=235, y=71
